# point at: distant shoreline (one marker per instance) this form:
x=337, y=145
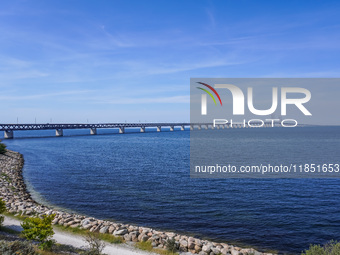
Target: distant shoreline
x=19, y=201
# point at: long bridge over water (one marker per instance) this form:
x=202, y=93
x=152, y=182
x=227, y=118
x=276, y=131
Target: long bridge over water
x=10, y=128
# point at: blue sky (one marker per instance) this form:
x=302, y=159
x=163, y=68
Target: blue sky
x=112, y=61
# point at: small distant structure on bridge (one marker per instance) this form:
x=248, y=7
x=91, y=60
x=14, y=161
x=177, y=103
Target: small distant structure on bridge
x=59, y=128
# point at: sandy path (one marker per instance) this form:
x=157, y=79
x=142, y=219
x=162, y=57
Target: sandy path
x=77, y=240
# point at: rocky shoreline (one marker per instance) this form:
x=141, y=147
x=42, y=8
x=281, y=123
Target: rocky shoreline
x=18, y=201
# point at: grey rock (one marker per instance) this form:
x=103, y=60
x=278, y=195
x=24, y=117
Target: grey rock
x=216, y=251
x=104, y=230
x=183, y=243
x=224, y=251
x=206, y=248
x=87, y=226
x=127, y=237
x=120, y=232
x=235, y=252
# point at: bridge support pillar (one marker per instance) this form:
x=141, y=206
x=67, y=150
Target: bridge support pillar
x=93, y=131
x=171, y=128
x=199, y=127
x=121, y=130
x=142, y=129
x=59, y=132
x=191, y=127
x=182, y=128
x=159, y=128
x=8, y=134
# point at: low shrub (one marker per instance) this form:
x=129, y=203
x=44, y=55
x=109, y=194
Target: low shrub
x=39, y=230
x=331, y=248
x=96, y=245
x=2, y=210
x=2, y=148
x=17, y=247
x=171, y=245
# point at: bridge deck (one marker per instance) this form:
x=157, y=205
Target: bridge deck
x=17, y=127
x=10, y=128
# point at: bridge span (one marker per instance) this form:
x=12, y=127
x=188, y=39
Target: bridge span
x=10, y=128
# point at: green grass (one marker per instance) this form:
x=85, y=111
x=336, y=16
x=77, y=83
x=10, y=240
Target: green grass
x=146, y=246
x=7, y=178
x=105, y=237
x=40, y=252
x=164, y=252
x=12, y=215
x=111, y=238
x=77, y=231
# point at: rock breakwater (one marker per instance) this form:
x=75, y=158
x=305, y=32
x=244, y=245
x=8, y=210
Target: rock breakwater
x=18, y=201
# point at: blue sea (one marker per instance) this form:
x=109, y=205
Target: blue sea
x=144, y=179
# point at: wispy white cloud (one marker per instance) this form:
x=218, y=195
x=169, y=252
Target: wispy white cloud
x=145, y=100
x=117, y=40
x=211, y=18
x=42, y=96
x=316, y=74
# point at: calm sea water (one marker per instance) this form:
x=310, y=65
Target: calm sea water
x=144, y=179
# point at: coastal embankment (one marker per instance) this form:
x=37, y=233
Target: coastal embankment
x=18, y=201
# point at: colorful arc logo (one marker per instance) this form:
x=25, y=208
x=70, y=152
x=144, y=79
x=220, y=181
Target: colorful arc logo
x=209, y=93
x=204, y=97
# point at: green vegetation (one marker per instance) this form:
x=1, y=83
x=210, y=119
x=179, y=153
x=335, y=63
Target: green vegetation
x=171, y=245
x=2, y=210
x=17, y=247
x=2, y=148
x=39, y=230
x=28, y=248
x=7, y=178
x=16, y=215
x=147, y=246
x=105, y=237
x=331, y=248
x=96, y=245
x=164, y=252
x=58, y=249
